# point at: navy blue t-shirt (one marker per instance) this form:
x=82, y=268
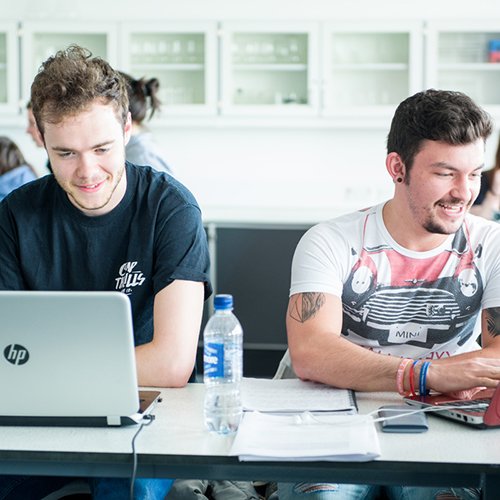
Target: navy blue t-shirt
x=153, y=237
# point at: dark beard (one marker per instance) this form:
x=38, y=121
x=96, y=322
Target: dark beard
x=434, y=228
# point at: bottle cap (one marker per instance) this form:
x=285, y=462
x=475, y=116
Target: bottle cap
x=223, y=301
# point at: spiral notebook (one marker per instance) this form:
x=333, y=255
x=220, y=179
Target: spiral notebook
x=295, y=395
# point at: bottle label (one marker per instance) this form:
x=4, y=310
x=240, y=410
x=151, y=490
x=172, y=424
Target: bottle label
x=213, y=360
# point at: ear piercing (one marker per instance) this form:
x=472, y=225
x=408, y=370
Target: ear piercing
x=399, y=179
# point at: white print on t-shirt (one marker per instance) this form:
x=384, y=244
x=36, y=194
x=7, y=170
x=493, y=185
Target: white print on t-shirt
x=129, y=278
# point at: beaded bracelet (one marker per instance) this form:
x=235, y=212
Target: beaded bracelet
x=400, y=376
x=423, y=378
x=412, y=385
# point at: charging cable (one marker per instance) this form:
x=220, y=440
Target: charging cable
x=308, y=418
x=146, y=420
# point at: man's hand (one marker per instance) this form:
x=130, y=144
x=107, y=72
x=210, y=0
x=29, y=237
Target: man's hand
x=463, y=374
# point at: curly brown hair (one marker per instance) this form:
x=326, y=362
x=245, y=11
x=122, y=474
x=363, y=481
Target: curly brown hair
x=71, y=81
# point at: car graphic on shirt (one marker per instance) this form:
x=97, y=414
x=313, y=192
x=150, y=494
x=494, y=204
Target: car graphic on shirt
x=390, y=298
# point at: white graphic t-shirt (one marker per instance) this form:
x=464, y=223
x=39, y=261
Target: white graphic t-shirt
x=399, y=302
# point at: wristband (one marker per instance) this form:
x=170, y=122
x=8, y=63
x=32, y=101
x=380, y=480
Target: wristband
x=423, y=378
x=412, y=384
x=400, y=377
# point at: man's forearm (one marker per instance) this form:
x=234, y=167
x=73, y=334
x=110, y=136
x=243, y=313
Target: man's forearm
x=320, y=353
x=168, y=360
x=341, y=363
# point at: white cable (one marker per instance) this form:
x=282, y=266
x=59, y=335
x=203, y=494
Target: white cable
x=309, y=417
x=149, y=419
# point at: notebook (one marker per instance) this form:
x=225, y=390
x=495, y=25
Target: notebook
x=482, y=411
x=68, y=359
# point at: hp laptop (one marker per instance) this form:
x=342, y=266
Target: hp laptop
x=482, y=411
x=68, y=359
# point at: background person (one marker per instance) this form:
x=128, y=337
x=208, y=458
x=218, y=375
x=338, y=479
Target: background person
x=103, y=224
x=141, y=149
x=31, y=129
x=487, y=203
x=14, y=169
x=414, y=278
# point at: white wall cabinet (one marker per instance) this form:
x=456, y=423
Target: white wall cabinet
x=269, y=68
x=41, y=40
x=334, y=73
x=328, y=69
x=369, y=68
x=182, y=55
x=9, y=74
x=458, y=58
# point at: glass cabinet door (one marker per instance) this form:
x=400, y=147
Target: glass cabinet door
x=269, y=68
x=466, y=57
x=40, y=40
x=369, y=69
x=9, y=75
x=182, y=56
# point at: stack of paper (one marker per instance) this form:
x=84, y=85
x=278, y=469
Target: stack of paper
x=294, y=395
x=332, y=431
x=326, y=437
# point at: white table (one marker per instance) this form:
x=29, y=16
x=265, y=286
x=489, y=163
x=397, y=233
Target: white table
x=177, y=445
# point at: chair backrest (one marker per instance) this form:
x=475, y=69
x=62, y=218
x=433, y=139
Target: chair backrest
x=285, y=368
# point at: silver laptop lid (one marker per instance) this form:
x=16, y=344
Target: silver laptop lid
x=67, y=354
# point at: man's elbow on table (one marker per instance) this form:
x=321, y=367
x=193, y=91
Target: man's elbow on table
x=173, y=371
x=177, y=376
x=305, y=362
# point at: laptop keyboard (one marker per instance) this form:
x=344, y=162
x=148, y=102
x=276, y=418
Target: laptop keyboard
x=474, y=406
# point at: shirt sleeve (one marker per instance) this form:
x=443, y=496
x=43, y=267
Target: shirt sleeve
x=319, y=262
x=489, y=252
x=182, y=250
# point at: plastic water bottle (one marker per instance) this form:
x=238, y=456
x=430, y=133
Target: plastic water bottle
x=223, y=367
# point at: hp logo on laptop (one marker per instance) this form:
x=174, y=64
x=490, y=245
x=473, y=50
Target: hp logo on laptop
x=16, y=354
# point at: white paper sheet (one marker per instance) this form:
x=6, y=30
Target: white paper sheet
x=326, y=437
x=293, y=395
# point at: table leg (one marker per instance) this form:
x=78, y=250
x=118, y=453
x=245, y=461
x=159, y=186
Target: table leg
x=490, y=486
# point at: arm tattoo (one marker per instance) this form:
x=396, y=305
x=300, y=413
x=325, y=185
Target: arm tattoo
x=304, y=306
x=493, y=321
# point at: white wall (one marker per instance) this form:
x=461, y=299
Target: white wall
x=291, y=174
x=256, y=9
